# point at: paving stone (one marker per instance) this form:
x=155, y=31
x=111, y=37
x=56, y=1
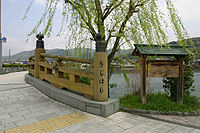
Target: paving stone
x=195, y=131
x=98, y=129
x=26, y=121
x=125, y=125
x=109, y=123
x=165, y=128
x=10, y=109
x=2, y=110
x=75, y=128
x=59, y=131
x=4, y=116
x=12, y=119
x=18, y=106
x=116, y=129
x=151, y=131
x=18, y=113
x=152, y=124
x=8, y=126
x=136, y=130
x=47, y=116
x=33, y=114
x=181, y=129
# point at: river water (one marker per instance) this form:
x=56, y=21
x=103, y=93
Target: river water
x=153, y=84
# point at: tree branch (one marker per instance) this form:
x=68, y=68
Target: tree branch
x=132, y=9
x=110, y=32
x=111, y=8
x=76, y=6
x=100, y=23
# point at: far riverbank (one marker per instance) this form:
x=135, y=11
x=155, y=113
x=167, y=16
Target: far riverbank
x=155, y=84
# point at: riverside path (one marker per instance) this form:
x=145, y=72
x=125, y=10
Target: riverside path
x=23, y=109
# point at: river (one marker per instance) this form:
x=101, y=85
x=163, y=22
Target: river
x=153, y=84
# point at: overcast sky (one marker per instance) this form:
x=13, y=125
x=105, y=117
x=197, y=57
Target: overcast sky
x=16, y=29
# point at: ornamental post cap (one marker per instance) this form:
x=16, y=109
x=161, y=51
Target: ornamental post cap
x=40, y=36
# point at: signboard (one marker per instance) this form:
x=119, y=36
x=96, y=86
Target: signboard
x=101, y=76
x=162, y=68
x=3, y=39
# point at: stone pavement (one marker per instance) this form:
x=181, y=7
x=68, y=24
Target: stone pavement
x=25, y=109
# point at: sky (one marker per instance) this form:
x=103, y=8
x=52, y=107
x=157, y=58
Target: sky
x=15, y=29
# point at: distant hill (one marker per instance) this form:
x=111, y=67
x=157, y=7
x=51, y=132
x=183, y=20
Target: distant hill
x=26, y=54
x=62, y=52
x=195, y=40
x=59, y=52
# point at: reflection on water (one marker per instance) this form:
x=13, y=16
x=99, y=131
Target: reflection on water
x=155, y=84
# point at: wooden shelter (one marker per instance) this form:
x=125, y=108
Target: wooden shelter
x=161, y=68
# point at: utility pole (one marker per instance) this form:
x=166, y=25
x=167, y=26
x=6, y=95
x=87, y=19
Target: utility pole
x=0, y=39
x=9, y=57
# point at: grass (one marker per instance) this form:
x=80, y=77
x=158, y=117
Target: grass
x=161, y=102
x=15, y=65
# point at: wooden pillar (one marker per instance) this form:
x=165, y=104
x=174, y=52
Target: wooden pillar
x=143, y=79
x=38, y=58
x=59, y=64
x=100, y=76
x=180, y=82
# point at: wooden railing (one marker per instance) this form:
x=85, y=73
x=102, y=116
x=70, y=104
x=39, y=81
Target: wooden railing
x=66, y=72
x=61, y=76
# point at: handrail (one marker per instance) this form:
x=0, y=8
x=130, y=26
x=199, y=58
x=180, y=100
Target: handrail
x=67, y=58
x=31, y=57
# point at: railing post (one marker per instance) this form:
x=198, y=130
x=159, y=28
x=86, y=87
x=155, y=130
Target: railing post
x=39, y=49
x=100, y=72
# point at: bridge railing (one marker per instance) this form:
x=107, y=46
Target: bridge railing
x=61, y=72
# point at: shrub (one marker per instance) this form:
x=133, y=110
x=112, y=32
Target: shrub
x=170, y=84
x=15, y=65
x=85, y=80
x=161, y=102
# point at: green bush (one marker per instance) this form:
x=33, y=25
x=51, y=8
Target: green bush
x=161, y=102
x=170, y=84
x=85, y=80
x=15, y=65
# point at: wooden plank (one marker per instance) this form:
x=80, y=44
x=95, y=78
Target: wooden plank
x=31, y=71
x=44, y=64
x=31, y=63
x=162, y=69
x=78, y=87
x=67, y=58
x=74, y=78
x=143, y=79
x=74, y=71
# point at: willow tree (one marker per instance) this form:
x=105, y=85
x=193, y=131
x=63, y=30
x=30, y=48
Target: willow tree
x=118, y=22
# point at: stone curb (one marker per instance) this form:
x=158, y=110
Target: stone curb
x=6, y=70
x=104, y=109
x=153, y=112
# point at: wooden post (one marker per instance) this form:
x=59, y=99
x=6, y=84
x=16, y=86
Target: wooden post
x=74, y=78
x=38, y=58
x=143, y=79
x=59, y=64
x=180, y=82
x=100, y=76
